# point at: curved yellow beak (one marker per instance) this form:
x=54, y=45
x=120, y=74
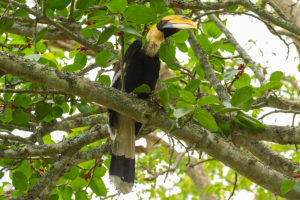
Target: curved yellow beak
x=178, y=22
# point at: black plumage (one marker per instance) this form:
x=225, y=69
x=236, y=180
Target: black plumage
x=142, y=66
x=139, y=69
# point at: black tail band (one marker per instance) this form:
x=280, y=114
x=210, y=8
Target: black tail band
x=122, y=167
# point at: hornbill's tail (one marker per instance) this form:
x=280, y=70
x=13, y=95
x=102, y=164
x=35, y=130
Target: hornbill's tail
x=122, y=166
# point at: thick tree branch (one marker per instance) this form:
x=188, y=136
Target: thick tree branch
x=139, y=110
x=267, y=155
x=277, y=134
x=276, y=102
x=97, y=133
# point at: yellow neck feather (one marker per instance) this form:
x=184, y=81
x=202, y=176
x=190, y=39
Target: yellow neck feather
x=154, y=39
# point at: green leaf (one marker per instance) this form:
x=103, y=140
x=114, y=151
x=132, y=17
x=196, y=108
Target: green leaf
x=205, y=44
x=193, y=85
x=180, y=36
x=56, y=111
x=80, y=58
x=58, y=4
x=276, y=76
x=248, y=122
x=229, y=74
x=287, y=186
x=1, y=174
x=216, y=46
x=63, y=12
x=297, y=187
x=211, y=29
x=22, y=100
x=19, y=181
x=83, y=108
x=174, y=79
x=5, y=25
x=99, y=172
x=232, y=8
x=180, y=112
x=206, y=120
x=158, y=6
x=228, y=47
x=273, y=85
x=100, y=21
x=298, y=68
x=81, y=195
x=72, y=174
x=225, y=126
x=206, y=100
x=166, y=53
x=42, y=109
x=242, y=95
x=20, y=117
x=73, y=67
x=25, y=169
x=41, y=34
x=78, y=183
x=66, y=192
x=65, y=107
x=84, y=4
x=105, y=35
x=7, y=115
x=104, y=79
x=117, y=6
x=163, y=97
x=98, y=187
x=243, y=81
x=54, y=197
x=102, y=58
x=139, y=14
x=173, y=91
x=188, y=97
x=87, y=32
x=144, y=88
x=128, y=29
x=246, y=106
x=182, y=47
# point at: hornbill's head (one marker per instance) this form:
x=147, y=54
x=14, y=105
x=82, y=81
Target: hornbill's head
x=166, y=27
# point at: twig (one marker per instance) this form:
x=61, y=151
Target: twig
x=203, y=161
x=6, y=9
x=122, y=64
x=177, y=64
x=44, y=8
x=221, y=57
x=35, y=26
x=87, y=69
x=234, y=186
x=71, y=15
x=171, y=141
x=14, y=137
x=173, y=168
x=22, y=91
x=279, y=111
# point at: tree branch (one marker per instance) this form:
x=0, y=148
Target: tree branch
x=153, y=116
x=267, y=155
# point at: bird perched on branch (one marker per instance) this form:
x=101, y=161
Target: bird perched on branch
x=141, y=67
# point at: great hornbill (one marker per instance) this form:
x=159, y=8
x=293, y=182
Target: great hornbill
x=141, y=67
